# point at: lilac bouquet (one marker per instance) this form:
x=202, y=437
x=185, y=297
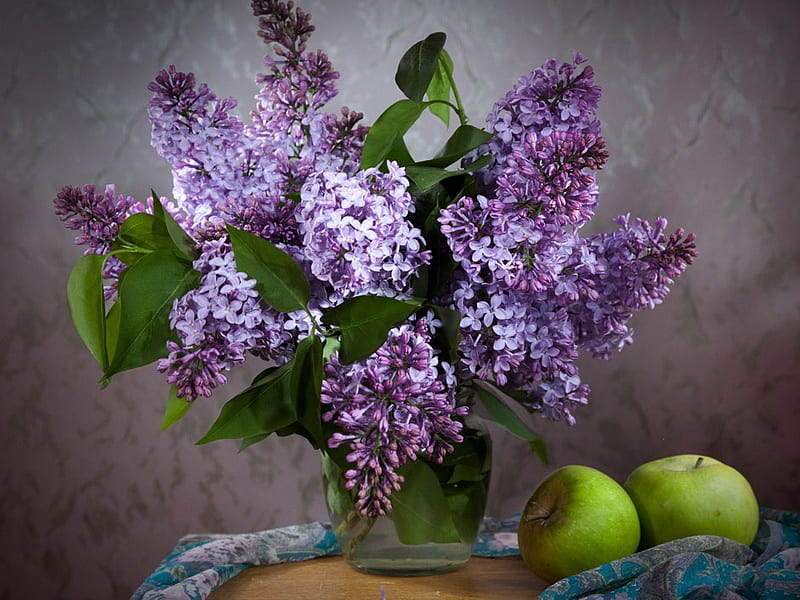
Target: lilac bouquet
x=389, y=296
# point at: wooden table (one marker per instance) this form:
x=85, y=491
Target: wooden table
x=331, y=579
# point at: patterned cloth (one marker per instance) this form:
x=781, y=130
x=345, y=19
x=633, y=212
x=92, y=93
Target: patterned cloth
x=699, y=567
x=688, y=569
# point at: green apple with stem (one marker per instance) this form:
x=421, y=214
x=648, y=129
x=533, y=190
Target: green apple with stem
x=689, y=494
x=578, y=518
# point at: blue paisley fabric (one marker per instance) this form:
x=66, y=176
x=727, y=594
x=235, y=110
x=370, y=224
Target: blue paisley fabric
x=688, y=569
x=698, y=568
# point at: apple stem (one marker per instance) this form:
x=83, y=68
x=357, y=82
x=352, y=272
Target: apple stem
x=699, y=460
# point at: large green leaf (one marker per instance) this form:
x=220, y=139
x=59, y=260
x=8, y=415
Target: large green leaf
x=365, y=322
x=261, y=409
x=440, y=86
x=143, y=233
x=279, y=279
x=467, y=503
x=463, y=140
x=306, y=383
x=147, y=290
x=494, y=401
x=139, y=234
x=418, y=65
x=420, y=510
x=87, y=305
x=388, y=130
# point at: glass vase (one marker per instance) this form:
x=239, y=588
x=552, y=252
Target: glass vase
x=435, y=517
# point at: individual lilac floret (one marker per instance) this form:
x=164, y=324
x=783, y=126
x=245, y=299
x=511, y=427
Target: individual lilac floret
x=217, y=323
x=396, y=406
x=356, y=234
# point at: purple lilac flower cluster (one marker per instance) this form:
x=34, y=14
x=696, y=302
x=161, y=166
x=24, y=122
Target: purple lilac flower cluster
x=98, y=217
x=531, y=291
x=217, y=323
x=395, y=406
x=356, y=235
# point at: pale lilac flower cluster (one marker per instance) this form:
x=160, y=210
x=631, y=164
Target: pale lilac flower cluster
x=531, y=291
x=395, y=406
x=229, y=172
x=221, y=166
x=217, y=323
x=356, y=235
x=205, y=144
x=298, y=84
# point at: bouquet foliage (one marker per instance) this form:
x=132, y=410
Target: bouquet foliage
x=387, y=295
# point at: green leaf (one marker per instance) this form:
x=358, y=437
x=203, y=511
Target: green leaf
x=399, y=153
x=176, y=408
x=467, y=504
x=279, y=279
x=493, y=400
x=253, y=439
x=183, y=243
x=418, y=65
x=306, y=383
x=146, y=293
x=365, y=322
x=388, y=130
x=141, y=233
x=261, y=409
x=87, y=305
x=440, y=86
x=425, y=177
x=420, y=511
x=332, y=345
x=463, y=140
x=337, y=497
x=449, y=335
x=112, y=333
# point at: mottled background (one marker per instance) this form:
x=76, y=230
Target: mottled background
x=700, y=112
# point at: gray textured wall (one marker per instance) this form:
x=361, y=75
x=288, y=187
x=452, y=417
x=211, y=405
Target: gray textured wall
x=700, y=112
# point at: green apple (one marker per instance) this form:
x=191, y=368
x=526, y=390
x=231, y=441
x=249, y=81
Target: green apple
x=578, y=518
x=689, y=494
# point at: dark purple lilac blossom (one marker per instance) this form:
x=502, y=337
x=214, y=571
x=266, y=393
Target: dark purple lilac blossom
x=98, y=218
x=394, y=407
x=531, y=291
x=553, y=97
